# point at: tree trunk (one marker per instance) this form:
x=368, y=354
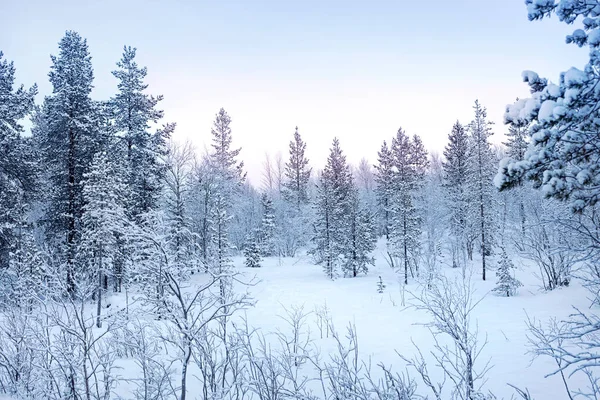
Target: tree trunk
x=71, y=216
x=100, y=283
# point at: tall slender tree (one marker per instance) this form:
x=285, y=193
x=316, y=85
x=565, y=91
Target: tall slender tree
x=69, y=138
x=134, y=111
x=456, y=185
x=482, y=165
x=297, y=172
x=384, y=177
x=409, y=163
x=228, y=177
x=17, y=171
x=104, y=222
x=361, y=240
x=333, y=211
x=267, y=226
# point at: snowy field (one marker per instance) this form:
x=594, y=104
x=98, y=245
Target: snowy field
x=384, y=325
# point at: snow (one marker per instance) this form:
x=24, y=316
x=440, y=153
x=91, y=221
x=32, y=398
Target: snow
x=574, y=77
x=594, y=37
x=546, y=112
x=386, y=325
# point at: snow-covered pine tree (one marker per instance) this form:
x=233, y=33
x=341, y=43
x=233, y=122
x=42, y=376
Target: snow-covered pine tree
x=410, y=163
x=25, y=273
x=362, y=239
x=562, y=118
x=516, y=146
x=435, y=213
x=267, y=227
x=176, y=200
x=506, y=284
x=17, y=172
x=228, y=176
x=482, y=164
x=297, y=173
x=252, y=253
x=68, y=136
x=333, y=209
x=292, y=210
x=456, y=185
x=134, y=111
x=103, y=221
x=384, y=179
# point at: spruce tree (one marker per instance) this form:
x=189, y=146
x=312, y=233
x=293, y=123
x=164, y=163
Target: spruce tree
x=361, y=241
x=17, y=172
x=333, y=210
x=516, y=144
x=227, y=178
x=384, y=178
x=134, y=111
x=69, y=136
x=410, y=163
x=103, y=222
x=176, y=201
x=456, y=185
x=252, y=253
x=297, y=173
x=482, y=165
x=506, y=284
x=267, y=227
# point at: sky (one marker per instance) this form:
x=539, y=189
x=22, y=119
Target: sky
x=357, y=70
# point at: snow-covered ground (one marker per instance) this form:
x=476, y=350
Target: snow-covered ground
x=385, y=325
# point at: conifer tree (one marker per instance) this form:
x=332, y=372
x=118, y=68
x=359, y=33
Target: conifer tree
x=410, y=163
x=134, y=111
x=252, y=253
x=103, y=222
x=17, y=172
x=69, y=134
x=506, y=284
x=482, y=165
x=516, y=145
x=384, y=178
x=297, y=173
x=267, y=227
x=176, y=200
x=333, y=208
x=361, y=241
x=456, y=185
x=228, y=177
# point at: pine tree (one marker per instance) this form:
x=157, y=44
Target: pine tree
x=227, y=179
x=134, y=111
x=176, y=201
x=69, y=135
x=252, y=253
x=362, y=240
x=297, y=173
x=103, y=222
x=482, y=165
x=333, y=208
x=516, y=144
x=267, y=227
x=507, y=284
x=384, y=178
x=456, y=185
x=410, y=163
x=17, y=173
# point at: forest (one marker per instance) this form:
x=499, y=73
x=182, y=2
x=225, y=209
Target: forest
x=136, y=266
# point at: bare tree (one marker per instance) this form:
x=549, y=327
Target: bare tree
x=451, y=305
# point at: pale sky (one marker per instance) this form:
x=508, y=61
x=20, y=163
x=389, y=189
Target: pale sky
x=358, y=70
